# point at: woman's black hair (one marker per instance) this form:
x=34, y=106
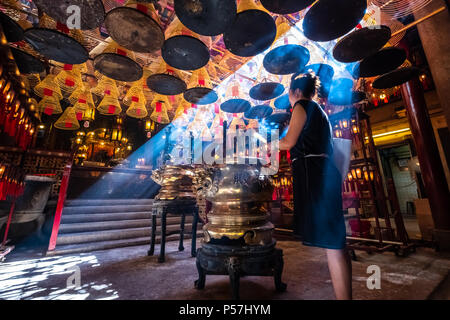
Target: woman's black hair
x=308, y=83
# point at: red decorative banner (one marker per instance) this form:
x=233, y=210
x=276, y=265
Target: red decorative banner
x=69, y=82
x=111, y=109
x=158, y=106
x=48, y=92
x=121, y=52
x=142, y=8
x=48, y=111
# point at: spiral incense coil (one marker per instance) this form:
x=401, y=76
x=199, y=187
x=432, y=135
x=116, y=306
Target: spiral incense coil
x=49, y=105
x=48, y=87
x=109, y=106
x=68, y=120
x=160, y=104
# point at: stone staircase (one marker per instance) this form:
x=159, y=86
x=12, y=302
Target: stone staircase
x=90, y=225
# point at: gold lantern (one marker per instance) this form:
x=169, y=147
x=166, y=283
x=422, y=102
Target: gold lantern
x=116, y=134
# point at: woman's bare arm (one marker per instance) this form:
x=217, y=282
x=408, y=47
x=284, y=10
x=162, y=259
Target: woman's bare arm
x=296, y=124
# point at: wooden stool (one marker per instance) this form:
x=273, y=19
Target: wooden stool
x=176, y=207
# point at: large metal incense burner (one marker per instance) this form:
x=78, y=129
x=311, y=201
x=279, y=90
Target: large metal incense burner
x=238, y=236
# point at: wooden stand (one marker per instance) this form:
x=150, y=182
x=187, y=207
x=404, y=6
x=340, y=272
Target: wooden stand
x=175, y=207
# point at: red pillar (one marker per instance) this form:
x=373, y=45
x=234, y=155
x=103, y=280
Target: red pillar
x=430, y=162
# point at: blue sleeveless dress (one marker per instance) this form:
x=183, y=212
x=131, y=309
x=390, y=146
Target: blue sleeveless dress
x=318, y=214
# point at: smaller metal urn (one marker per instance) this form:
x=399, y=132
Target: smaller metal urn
x=176, y=182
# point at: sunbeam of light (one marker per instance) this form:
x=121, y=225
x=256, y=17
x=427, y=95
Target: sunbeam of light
x=118, y=184
x=46, y=279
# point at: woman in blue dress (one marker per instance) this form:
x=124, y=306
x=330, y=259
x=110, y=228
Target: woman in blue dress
x=318, y=216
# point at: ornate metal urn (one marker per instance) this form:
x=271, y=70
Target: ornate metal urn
x=176, y=182
x=238, y=216
x=238, y=236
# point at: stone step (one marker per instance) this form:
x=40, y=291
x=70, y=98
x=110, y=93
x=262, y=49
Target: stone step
x=82, y=217
x=107, y=209
x=105, y=245
x=96, y=236
x=83, y=226
x=105, y=202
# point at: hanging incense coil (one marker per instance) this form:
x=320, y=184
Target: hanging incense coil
x=381, y=62
x=137, y=110
x=181, y=113
x=259, y=112
x=46, y=22
x=11, y=29
x=237, y=123
x=200, y=88
x=286, y=6
x=134, y=94
x=252, y=32
x=283, y=102
x=49, y=105
x=67, y=121
x=396, y=77
x=159, y=105
x=327, y=20
x=26, y=62
x=286, y=59
x=48, y=87
x=106, y=87
x=109, y=106
x=361, y=43
x=167, y=81
x=183, y=49
x=69, y=79
x=206, y=17
x=135, y=26
x=118, y=63
x=56, y=41
x=82, y=95
x=266, y=91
